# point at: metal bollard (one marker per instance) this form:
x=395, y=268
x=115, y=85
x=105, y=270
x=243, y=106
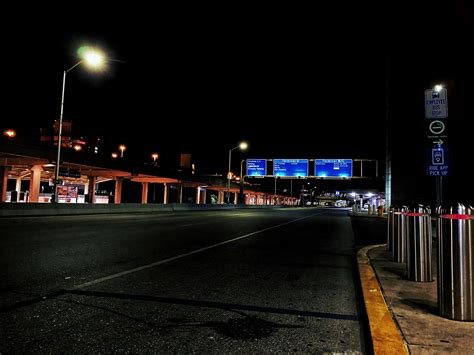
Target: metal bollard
x=390, y=227
x=456, y=262
x=399, y=251
x=419, y=244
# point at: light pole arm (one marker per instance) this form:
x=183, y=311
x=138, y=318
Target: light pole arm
x=75, y=65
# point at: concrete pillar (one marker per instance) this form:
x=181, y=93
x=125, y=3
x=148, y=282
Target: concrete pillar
x=247, y=199
x=118, y=190
x=18, y=186
x=198, y=195
x=3, y=183
x=35, y=182
x=204, y=192
x=166, y=193
x=180, y=193
x=220, y=197
x=91, y=189
x=144, y=192
x=236, y=198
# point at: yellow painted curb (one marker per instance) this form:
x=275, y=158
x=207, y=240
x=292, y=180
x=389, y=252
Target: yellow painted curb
x=386, y=337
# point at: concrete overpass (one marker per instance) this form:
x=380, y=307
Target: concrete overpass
x=27, y=173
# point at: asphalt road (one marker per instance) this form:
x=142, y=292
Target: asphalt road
x=238, y=281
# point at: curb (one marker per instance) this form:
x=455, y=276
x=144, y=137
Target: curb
x=386, y=337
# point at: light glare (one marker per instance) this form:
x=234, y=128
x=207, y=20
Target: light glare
x=92, y=57
x=10, y=133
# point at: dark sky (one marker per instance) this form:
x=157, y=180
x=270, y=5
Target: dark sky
x=305, y=83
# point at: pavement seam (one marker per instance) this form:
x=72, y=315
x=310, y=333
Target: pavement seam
x=384, y=331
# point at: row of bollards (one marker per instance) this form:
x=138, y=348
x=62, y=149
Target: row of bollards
x=409, y=238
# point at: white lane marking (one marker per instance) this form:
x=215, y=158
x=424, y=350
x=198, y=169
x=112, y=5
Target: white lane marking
x=164, y=261
x=191, y=224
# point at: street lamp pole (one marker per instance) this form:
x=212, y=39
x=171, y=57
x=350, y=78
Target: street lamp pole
x=228, y=174
x=94, y=59
x=242, y=199
x=60, y=133
x=242, y=146
x=274, y=195
x=122, y=148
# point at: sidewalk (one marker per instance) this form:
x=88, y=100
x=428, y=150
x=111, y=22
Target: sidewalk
x=412, y=306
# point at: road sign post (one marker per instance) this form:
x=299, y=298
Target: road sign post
x=436, y=109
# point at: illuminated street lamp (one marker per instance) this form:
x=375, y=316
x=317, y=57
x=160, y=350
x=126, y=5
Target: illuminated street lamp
x=155, y=156
x=241, y=146
x=122, y=148
x=92, y=59
x=114, y=155
x=10, y=133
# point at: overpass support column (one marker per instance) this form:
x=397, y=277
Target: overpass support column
x=3, y=182
x=144, y=192
x=198, y=195
x=236, y=196
x=35, y=181
x=118, y=190
x=18, y=189
x=180, y=193
x=204, y=193
x=166, y=193
x=91, y=189
x=220, y=197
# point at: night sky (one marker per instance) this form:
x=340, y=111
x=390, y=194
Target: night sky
x=294, y=84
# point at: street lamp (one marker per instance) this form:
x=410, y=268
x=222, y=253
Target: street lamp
x=155, y=156
x=10, y=133
x=241, y=146
x=122, y=148
x=93, y=59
